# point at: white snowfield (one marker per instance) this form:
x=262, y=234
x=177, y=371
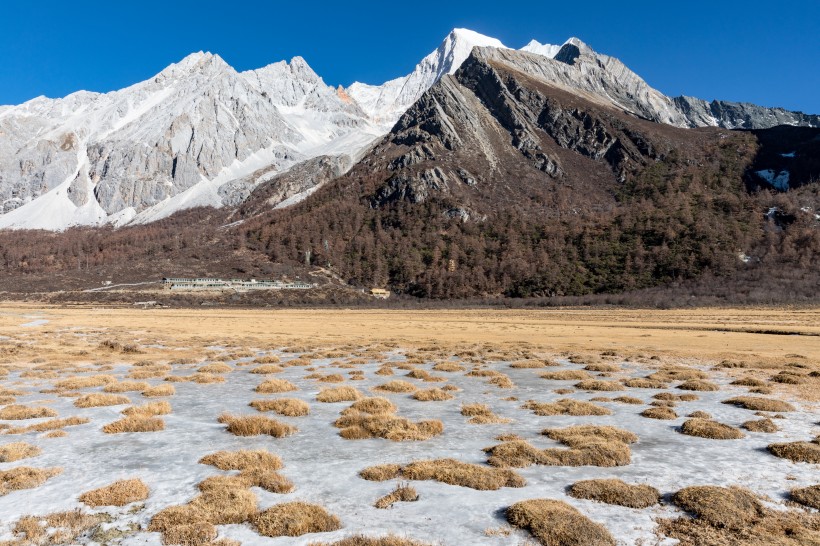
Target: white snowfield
x=324, y=467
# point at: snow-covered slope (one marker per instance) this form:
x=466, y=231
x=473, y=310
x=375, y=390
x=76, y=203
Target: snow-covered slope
x=168, y=143
x=387, y=102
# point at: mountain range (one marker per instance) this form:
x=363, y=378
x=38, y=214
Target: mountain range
x=200, y=133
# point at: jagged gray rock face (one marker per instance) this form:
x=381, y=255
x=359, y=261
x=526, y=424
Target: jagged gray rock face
x=740, y=115
x=170, y=142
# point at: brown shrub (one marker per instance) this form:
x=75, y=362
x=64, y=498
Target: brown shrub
x=150, y=409
x=616, y=492
x=402, y=493
x=554, y=522
x=339, y=394
x=748, y=382
x=672, y=397
x=501, y=381
x=788, y=378
x=78, y=382
x=290, y=407
x=52, y=424
x=721, y=507
x=255, y=425
x=56, y=528
x=670, y=374
x=18, y=412
x=760, y=425
x=159, y=391
x=294, y=519
x=396, y=385
x=705, y=428
x=481, y=414
x=516, y=453
x=529, y=364
x=698, y=385
x=119, y=493
x=384, y=370
x=99, y=399
x=272, y=386
x=25, y=477
x=135, y=423
x=700, y=415
x=659, y=413
x=807, y=496
x=598, y=385
x=225, y=505
x=602, y=367
x=565, y=406
x=566, y=375
x=17, y=451
x=799, y=452
x=432, y=395
x=267, y=369
x=448, y=367
x=756, y=403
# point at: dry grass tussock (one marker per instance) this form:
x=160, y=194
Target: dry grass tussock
x=267, y=369
x=659, y=413
x=807, y=496
x=83, y=382
x=644, y=383
x=588, y=445
x=677, y=373
x=135, y=423
x=52, y=424
x=432, y=395
x=361, y=540
x=616, y=492
x=119, y=493
x=159, y=391
x=757, y=403
x=290, y=407
x=799, y=452
x=255, y=425
x=566, y=406
x=481, y=414
x=566, y=375
x=149, y=409
x=402, y=493
x=215, y=367
x=272, y=386
x=760, y=425
x=449, y=471
x=448, y=367
x=396, y=385
x=25, y=477
x=17, y=451
x=602, y=367
x=98, y=399
x=293, y=519
x=735, y=516
x=257, y=468
x=628, y=400
x=698, y=385
x=598, y=385
x=206, y=378
x=672, y=397
x=57, y=528
x=554, y=522
x=18, y=412
x=339, y=394
x=366, y=421
x=126, y=386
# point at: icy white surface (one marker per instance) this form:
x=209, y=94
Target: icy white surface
x=780, y=180
x=324, y=467
x=547, y=50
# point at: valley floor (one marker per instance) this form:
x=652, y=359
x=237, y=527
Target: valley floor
x=217, y=361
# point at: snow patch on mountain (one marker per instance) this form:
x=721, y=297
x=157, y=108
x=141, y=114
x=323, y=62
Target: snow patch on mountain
x=546, y=50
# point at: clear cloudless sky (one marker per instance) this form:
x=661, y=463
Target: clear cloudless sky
x=755, y=51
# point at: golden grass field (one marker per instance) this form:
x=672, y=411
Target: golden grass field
x=362, y=427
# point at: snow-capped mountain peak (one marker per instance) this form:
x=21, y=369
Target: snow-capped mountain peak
x=387, y=102
x=545, y=50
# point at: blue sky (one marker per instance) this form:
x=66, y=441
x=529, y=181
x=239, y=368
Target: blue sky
x=762, y=52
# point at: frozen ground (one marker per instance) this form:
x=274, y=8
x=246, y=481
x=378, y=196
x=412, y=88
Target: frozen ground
x=324, y=467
